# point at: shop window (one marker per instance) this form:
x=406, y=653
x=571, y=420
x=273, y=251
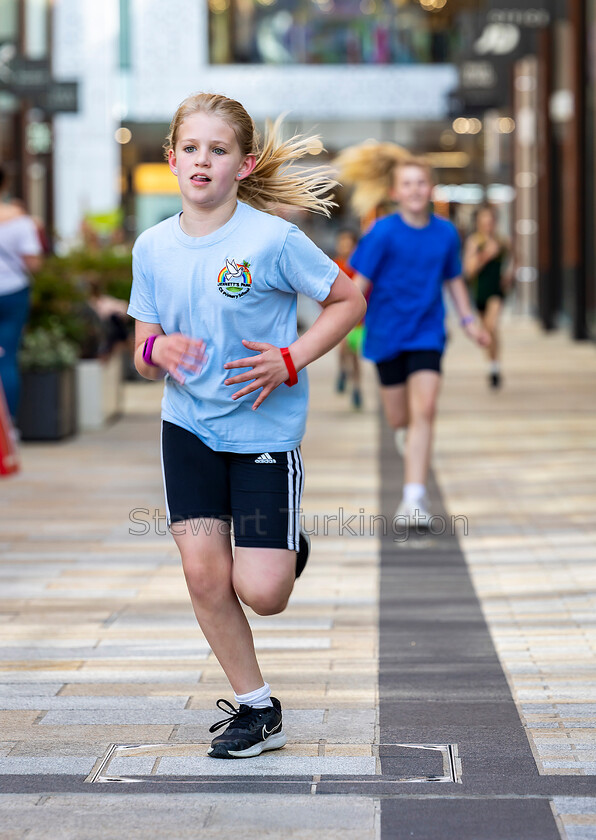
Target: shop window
x=330, y=31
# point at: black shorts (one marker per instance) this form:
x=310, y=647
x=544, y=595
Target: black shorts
x=396, y=371
x=482, y=302
x=259, y=493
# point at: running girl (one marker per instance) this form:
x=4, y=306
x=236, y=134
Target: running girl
x=488, y=266
x=214, y=298
x=404, y=260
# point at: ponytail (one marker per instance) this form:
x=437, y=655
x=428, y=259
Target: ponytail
x=369, y=168
x=275, y=181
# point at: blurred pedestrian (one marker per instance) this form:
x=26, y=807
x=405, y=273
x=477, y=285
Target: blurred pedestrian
x=20, y=250
x=489, y=271
x=206, y=284
x=405, y=259
x=350, y=347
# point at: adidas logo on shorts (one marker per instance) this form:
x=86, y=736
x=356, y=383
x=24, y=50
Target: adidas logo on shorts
x=265, y=458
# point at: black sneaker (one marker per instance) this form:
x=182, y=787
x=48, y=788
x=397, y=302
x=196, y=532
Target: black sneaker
x=495, y=380
x=340, y=385
x=303, y=553
x=250, y=731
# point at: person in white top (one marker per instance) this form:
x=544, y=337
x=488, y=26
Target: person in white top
x=20, y=253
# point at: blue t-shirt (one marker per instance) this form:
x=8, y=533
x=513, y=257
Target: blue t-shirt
x=407, y=267
x=241, y=281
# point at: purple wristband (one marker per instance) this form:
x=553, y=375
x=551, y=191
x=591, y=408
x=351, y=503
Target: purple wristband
x=469, y=319
x=148, y=350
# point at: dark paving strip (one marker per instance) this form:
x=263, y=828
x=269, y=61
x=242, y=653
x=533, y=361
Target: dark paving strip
x=384, y=787
x=440, y=681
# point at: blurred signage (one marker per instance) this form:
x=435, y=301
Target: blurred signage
x=498, y=39
x=532, y=18
x=32, y=80
x=529, y=14
x=504, y=32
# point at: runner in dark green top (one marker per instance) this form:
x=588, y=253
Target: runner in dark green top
x=487, y=267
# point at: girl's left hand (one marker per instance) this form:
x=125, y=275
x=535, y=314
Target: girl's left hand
x=268, y=370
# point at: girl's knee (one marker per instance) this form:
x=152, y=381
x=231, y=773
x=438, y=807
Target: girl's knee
x=425, y=413
x=265, y=602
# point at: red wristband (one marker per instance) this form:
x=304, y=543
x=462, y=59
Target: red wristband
x=148, y=350
x=290, y=366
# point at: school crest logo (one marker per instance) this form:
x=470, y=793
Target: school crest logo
x=234, y=280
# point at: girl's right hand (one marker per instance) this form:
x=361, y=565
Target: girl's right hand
x=177, y=353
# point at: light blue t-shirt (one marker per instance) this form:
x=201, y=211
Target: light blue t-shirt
x=407, y=267
x=239, y=282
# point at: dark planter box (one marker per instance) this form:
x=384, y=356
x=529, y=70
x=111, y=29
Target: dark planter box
x=48, y=405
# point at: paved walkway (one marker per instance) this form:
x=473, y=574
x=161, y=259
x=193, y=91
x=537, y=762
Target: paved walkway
x=104, y=674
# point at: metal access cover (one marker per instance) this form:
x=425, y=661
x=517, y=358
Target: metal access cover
x=181, y=763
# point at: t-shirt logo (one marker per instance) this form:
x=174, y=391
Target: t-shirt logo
x=234, y=280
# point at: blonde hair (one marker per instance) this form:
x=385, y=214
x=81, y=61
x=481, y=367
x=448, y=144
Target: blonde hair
x=370, y=168
x=273, y=181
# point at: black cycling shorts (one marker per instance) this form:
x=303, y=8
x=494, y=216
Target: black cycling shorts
x=396, y=371
x=259, y=493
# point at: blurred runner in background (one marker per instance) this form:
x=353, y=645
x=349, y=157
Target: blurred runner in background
x=404, y=260
x=489, y=270
x=20, y=250
x=350, y=348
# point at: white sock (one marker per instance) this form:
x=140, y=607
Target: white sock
x=260, y=698
x=414, y=492
x=399, y=437
x=495, y=367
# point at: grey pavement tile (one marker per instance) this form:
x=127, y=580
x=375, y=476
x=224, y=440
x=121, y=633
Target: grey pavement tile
x=580, y=832
x=77, y=702
x=545, y=748
x=198, y=645
x=268, y=765
x=352, y=601
x=291, y=643
x=56, y=765
x=123, y=717
x=103, y=675
x=182, y=817
x=23, y=590
x=130, y=651
x=294, y=623
x=21, y=570
x=576, y=709
x=131, y=766
x=87, y=594
x=572, y=765
x=575, y=804
x=30, y=689
x=11, y=800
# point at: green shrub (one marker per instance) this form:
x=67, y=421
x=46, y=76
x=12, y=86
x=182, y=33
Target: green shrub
x=47, y=348
x=62, y=288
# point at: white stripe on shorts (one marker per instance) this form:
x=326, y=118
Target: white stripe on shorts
x=163, y=475
x=295, y=488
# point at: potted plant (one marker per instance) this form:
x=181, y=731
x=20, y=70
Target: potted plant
x=68, y=291
x=48, y=399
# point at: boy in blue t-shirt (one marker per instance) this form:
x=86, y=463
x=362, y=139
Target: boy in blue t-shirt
x=405, y=259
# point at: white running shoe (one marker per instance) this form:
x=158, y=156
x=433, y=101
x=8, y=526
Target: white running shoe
x=400, y=440
x=414, y=514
